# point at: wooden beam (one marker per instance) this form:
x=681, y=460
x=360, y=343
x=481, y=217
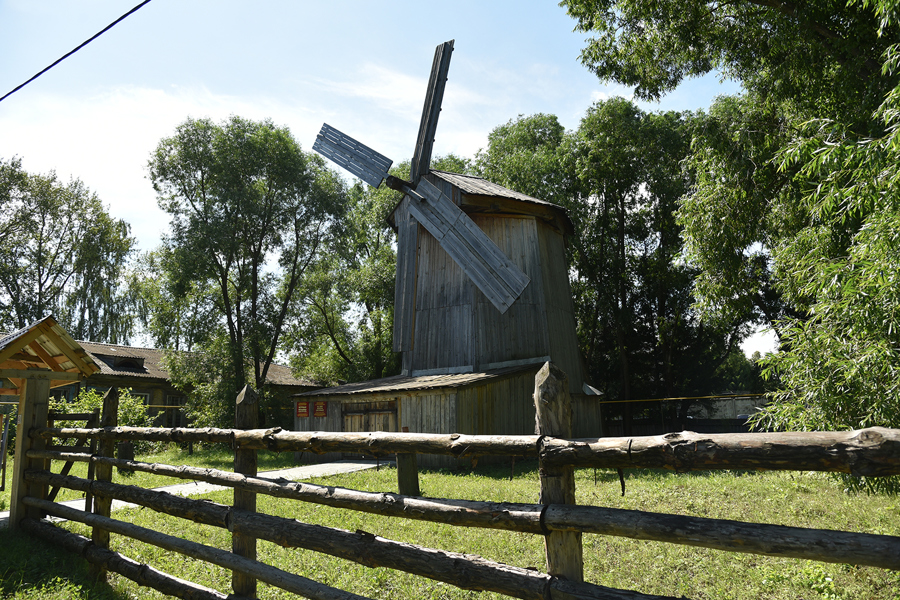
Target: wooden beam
x=434, y=95
x=85, y=368
x=44, y=356
x=20, y=342
x=25, y=357
x=143, y=574
x=553, y=417
x=39, y=374
x=483, y=262
x=246, y=416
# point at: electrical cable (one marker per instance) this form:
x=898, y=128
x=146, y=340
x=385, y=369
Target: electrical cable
x=67, y=55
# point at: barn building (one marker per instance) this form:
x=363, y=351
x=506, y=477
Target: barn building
x=467, y=366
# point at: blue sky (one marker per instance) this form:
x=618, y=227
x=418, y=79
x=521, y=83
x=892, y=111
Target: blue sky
x=361, y=66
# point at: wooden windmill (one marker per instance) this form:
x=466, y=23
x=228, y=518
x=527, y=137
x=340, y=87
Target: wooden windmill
x=477, y=255
x=482, y=298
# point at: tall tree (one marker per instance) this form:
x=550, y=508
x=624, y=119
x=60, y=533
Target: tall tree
x=176, y=314
x=798, y=177
x=62, y=253
x=344, y=325
x=620, y=178
x=249, y=211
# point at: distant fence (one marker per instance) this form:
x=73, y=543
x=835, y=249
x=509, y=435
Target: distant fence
x=870, y=452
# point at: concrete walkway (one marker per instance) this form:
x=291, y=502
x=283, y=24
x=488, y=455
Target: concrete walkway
x=196, y=488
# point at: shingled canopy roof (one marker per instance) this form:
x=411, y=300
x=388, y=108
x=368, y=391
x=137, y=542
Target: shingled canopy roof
x=43, y=345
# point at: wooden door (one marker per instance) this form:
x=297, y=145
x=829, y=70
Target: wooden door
x=363, y=417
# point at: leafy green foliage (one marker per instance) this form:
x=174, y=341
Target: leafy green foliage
x=177, y=314
x=824, y=55
x=344, y=325
x=250, y=211
x=62, y=254
x=206, y=376
x=619, y=177
x=740, y=207
x=794, y=214
x=132, y=411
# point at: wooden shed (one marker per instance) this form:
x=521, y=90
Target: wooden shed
x=467, y=367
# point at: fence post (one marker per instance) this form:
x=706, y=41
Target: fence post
x=109, y=417
x=553, y=417
x=246, y=416
x=407, y=473
x=34, y=405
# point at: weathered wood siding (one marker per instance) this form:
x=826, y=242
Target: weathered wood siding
x=432, y=413
x=331, y=422
x=559, y=306
x=521, y=332
x=405, y=284
x=500, y=407
x=586, y=418
x=443, y=310
x=456, y=325
x=369, y=416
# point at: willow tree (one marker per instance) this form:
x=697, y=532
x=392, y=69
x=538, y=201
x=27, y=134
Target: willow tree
x=249, y=210
x=62, y=253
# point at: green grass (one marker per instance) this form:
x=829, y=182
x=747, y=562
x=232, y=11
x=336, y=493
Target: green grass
x=217, y=457
x=808, y=500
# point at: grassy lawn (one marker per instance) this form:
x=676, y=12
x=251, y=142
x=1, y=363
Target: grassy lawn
x=808, y=500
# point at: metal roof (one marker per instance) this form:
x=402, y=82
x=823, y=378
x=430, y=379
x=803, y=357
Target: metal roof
x=128, y=361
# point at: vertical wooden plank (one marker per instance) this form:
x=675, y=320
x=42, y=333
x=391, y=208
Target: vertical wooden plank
x=34, y=404
x=553, y=406
x=246, y=416
x=407, y=473
x=109, y=417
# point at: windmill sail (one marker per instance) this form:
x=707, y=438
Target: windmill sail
x=492, y=272
x=359, y=159
x=501, y=281
x=421, y=161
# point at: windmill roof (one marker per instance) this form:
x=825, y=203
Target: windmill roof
x=472, y=184
x=478, y=193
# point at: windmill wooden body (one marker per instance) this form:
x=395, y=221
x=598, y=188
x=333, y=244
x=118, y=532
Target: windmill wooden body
x=482, y=299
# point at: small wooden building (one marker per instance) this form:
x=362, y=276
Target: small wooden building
x=467, y=367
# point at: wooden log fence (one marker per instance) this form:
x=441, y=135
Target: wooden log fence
x=824, y=545
x=870, y=452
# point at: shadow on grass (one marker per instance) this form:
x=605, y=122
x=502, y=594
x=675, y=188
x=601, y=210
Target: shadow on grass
x=32, y=568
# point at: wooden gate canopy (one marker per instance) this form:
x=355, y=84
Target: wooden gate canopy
x=42, y=346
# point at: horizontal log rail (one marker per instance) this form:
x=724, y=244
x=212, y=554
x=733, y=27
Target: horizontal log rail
x=870, y=452
x=277, y=577
x=733, y=536
x=141, y=574
x=466, y=571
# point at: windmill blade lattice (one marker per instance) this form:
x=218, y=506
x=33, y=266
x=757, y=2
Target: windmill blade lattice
x=359, y=159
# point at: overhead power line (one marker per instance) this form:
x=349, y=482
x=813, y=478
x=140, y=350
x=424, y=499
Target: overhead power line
x=82, y=45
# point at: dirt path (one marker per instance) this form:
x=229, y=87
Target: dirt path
x=196, y=488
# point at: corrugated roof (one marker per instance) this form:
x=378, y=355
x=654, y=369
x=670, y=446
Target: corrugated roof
x=405, y=384
x=148, y=362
